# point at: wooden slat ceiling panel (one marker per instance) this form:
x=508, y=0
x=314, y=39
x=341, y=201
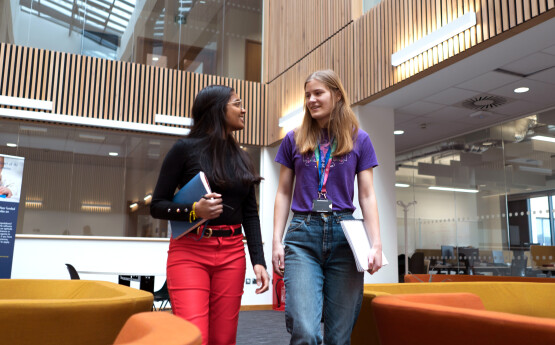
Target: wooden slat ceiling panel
x=114, y=90
x=361, y=51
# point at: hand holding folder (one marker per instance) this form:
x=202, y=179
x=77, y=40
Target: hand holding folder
x=356, y=235
x=192, y=192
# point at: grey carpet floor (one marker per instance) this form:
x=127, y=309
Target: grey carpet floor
x=262, y=327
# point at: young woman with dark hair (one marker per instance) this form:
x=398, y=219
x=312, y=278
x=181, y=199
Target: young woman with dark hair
x=205, y=274
x=321, y=158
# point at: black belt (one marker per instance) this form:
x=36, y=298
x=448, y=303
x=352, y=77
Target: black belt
x=217, y=231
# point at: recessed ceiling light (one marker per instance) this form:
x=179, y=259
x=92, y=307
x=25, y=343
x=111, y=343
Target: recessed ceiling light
x=522, y=89
x=402, y=185
x=398, y=132
x=113, y=154
x=11, y=145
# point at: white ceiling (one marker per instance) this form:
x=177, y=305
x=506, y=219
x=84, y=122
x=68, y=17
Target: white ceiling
x=430, y=109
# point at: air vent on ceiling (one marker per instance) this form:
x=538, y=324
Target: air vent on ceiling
x=486, y=102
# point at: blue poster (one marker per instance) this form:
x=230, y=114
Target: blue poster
x=11, y=176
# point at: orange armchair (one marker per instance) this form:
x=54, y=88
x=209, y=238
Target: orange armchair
x=454, y=318
x=150, y=328
x=440, y=278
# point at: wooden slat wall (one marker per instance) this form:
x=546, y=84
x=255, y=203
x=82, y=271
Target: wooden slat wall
x=294, y=28
x=115, y=90
x=361, y=51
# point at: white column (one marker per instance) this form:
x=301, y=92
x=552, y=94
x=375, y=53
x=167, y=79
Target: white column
x=269, y=170
x=379, y=124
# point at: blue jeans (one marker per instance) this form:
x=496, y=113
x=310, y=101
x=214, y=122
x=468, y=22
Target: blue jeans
x=320, y=276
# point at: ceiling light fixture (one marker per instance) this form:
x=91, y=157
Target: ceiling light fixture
x=113, y=154
x=173, y=120
x=87, y=121
x=522, y=89
x=25, y=103
x=95, y=207
x=543, y=138
x=431, y=40
x=449, y=189
x=402, y=185
x=292, y=118
x=33, y=203
x=398, y=132
x=11, y=145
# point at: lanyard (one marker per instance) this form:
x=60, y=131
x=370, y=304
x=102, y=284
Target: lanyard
x=324, y=169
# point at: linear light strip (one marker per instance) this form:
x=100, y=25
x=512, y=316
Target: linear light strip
x=85, y=121
x=543, y=138
x=402, y=185
x=173, y=120
x=448, y=189
x=25, y=103
x=293, y=117
x=431, y=40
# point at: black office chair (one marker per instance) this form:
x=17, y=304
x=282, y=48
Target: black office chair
x=163, y=296
x=416, y=263
x=72, y=272
x=401, y=267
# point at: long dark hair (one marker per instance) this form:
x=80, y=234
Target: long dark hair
x=222, y=159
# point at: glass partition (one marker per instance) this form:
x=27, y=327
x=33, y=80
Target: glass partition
x=205, y=36
x=488, y=195
x=81, y=181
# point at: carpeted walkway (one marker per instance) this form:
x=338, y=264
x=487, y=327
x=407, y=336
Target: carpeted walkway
x=262, y=327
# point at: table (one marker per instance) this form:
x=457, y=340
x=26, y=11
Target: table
x=146, y=280
x=455, y=268
x=500, y=270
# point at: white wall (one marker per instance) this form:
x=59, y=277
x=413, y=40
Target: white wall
x=268, y=188
x=45, y=258
x=379, y=123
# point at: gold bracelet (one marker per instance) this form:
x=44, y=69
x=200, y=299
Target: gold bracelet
x=192, y=214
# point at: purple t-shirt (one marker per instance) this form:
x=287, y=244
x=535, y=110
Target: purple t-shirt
x=341, y=179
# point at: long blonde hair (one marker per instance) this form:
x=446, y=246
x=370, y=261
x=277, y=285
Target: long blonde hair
x=343, y=125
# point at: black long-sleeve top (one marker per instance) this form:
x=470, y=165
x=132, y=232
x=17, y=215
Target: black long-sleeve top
x=181, y=164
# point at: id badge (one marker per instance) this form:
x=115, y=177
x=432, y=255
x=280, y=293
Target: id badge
x=321, y=205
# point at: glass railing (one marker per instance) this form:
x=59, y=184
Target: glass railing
x=205, y=36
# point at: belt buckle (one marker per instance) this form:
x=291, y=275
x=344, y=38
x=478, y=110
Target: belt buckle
x=209, y=233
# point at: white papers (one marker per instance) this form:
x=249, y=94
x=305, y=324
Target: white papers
x=355, y=232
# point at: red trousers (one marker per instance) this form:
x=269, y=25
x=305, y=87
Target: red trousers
x=205, y=281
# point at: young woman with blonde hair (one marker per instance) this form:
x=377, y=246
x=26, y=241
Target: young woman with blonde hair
x=323, y=155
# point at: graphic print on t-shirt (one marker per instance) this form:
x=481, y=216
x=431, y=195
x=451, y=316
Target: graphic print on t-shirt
x=310, y=159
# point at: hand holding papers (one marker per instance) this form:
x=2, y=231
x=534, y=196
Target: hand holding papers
x=355, y=232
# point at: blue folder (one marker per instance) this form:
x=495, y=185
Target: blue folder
x=193, y=191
